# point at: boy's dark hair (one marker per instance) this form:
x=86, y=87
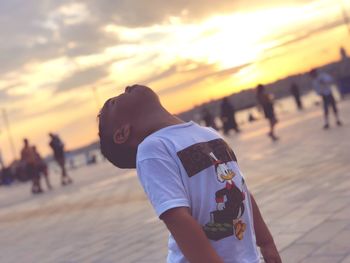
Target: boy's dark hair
x=106, y=137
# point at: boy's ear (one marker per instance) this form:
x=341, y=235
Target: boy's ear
x=122, y=134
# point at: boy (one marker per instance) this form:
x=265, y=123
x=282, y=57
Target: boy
x=191, y=178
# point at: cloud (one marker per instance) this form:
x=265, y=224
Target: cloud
x=40, y=31
x=24, y=38
x=3, y=95
x=70, y=103
x=10, y=86
x=86, y=38
x=6, y=96
x=135, y=13
x=166, y=73
x=83, y=77
x=296, y=37
x=50, y=29
x=201, y=77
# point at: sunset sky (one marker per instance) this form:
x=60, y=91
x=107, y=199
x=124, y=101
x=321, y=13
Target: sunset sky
x=55, y=53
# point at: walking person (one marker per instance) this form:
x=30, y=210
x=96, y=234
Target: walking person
x=28, y=156
x=294, y=90
x=265, y=101
x=322, y=83
x=57, y=147
x=42, y=167
x=208, y=118
x=191, y=176
x=228, y=117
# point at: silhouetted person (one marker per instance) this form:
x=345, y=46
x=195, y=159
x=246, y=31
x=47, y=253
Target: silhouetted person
x=228, y=116
x=208, y=119
x=322, y=83
x=294, y=90
x=251, y=117
x=343, y=54
x=265, y=100
x=42, y=167
x=58, y=151
x=29, y=158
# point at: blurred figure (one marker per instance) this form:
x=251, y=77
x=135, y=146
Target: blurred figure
x=343, y=54
x=208, y=118
x=322, y=83
x=265, y=101
x=42, y=167
x=6, y=176
x=251, y=117
x=91, y=158
x=294, y=90
x=28, y=156
x=58, y=151
x=228, y=116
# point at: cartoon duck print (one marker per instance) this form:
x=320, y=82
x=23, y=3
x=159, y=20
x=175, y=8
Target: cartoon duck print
x=229, y=199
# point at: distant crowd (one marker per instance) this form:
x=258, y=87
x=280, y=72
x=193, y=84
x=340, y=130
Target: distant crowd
x=32, y=166
x=321, y=82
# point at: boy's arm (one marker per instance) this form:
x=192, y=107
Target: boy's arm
x=189, y=236
x=264, y=238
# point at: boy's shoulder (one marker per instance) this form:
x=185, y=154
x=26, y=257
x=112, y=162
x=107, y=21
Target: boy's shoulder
x=150, y=143
x=168, y=141
x=151, y=147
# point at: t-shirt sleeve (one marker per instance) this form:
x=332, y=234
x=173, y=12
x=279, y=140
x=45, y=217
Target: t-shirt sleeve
x=161, y=181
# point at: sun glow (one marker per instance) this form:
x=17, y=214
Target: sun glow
x=186, y=61
x=238, y=38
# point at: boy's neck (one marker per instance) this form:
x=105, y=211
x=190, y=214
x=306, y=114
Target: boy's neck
x=154, y=122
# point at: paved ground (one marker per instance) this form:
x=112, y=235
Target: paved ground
x=301, y=184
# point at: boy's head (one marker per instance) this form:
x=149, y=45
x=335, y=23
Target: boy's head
x=122, y=122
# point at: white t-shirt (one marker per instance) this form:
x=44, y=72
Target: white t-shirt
x=187, y=165
x=322, y=84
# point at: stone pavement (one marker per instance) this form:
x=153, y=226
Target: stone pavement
x=301, y=184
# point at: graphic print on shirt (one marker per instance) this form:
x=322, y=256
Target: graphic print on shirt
x=226, y=220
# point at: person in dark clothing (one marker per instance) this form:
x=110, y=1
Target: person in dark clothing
x=42, y=167
x=251, y=117
x=266, y=103
x=29, y=158
x=294, y=90
x=58, y=151
x=228, y=117
x=208, y=119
